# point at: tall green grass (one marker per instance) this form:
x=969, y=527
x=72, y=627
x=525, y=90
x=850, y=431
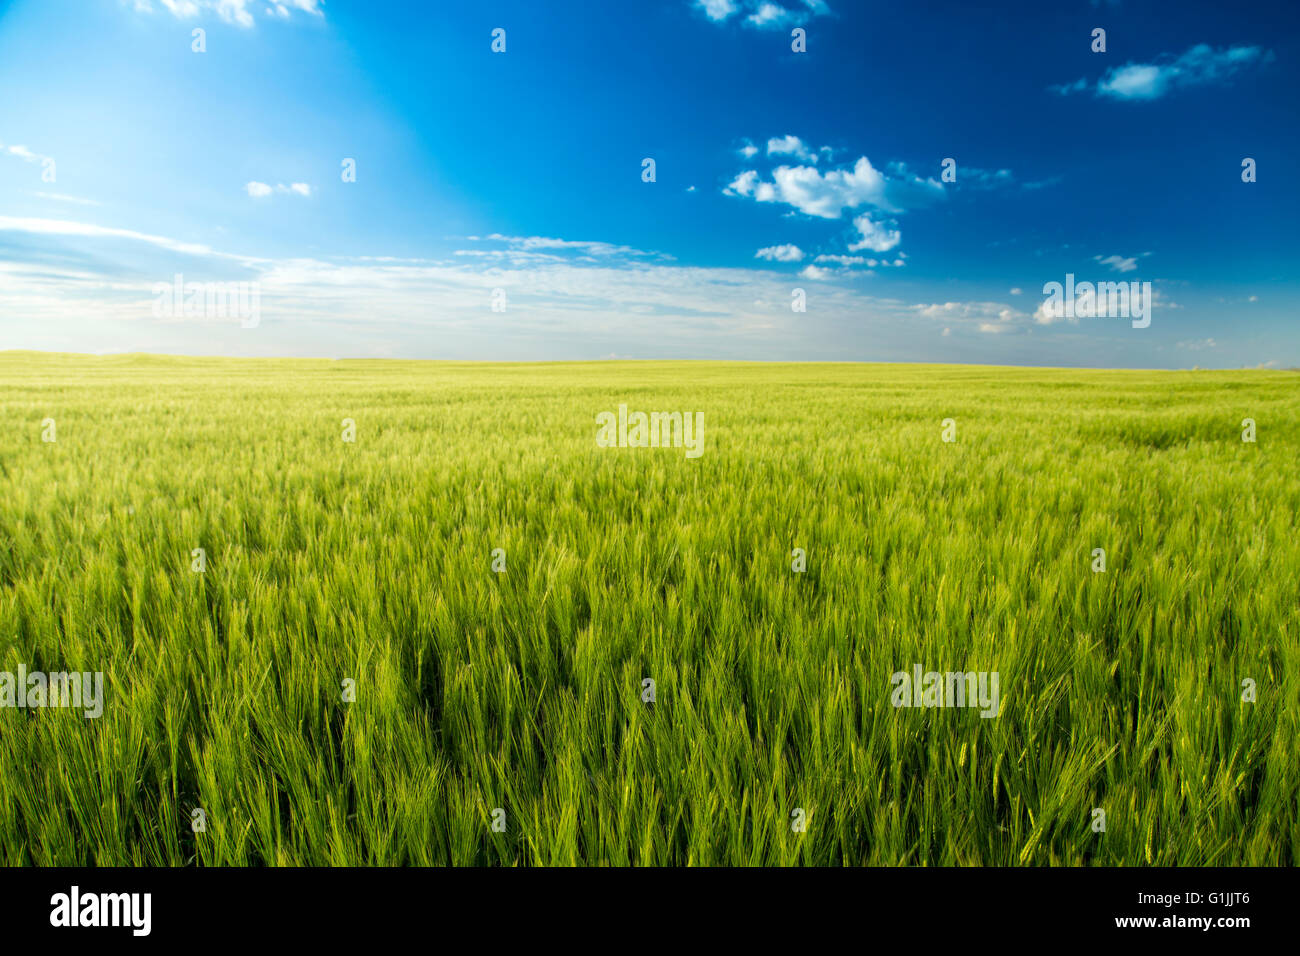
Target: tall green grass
x=1120, y=691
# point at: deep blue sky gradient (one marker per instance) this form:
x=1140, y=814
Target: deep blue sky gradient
x=546, y=140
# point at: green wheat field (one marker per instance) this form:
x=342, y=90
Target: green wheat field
x=771, y=738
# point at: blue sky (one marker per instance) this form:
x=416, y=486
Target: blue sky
x=127, y=158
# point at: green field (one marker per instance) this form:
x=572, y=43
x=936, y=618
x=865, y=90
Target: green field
x=371, y=561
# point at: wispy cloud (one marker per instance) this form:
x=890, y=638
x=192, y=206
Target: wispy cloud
x=23, y=153
x=565, y=298
x=261, y=190
x=985, y=178
x=846, y=263
x=786, y=253
x=763, y=14
x=62, y=197
x=61, y=227
x=590, y=248
x=1118, y=263
x=1202, y=65
x=986, y=318
x=237, y=12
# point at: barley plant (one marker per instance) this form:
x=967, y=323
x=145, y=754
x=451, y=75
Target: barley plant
x=354, y=679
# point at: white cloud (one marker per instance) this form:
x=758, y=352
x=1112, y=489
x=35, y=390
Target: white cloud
x=1199, y=66
x=260, y=190
x=1160, y=301
x=789, y=146
x=769, y=15
x=567, y=299
x=1017, y=291
x=786, y=253
x=62, y=197
x=558, y=307
x=988, y=318
x=236, y=12
x=58, y=227
x=996, y=328
x=23, y=153
x=1049, y=311
x=1065, y=89
x=763, y=14
x=813, y=194
x=875, y=236
x=1136, y=81
x=743, y=184
x=587, y=246
x=974, y=178
x=1118, y=263
x=827, y=195
x=717, y=10
x=1048, y=314
x=178, y=8
x=984, y=178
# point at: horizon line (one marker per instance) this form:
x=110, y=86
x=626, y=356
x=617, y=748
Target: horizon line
x=7, y=353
